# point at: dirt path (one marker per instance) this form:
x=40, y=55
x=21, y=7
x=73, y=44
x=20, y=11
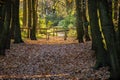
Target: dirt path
x=55, y=59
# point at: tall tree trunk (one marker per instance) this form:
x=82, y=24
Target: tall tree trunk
x=85, y=25
x=94, y=16
x=79, y=23
x=12, y=22
x=29, y=17
x=7, y=23
x=119, y=34
x=24, y=13
x=33, y=29
x=119, y=24
x=2, y=28
x=109, y=34
x=16, y=23
x=85, y=22
x=96, y=35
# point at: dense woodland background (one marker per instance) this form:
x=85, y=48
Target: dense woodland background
x=98, y=21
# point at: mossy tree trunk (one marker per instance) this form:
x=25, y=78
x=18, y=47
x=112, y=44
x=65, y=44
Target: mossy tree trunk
x=79, y=23
x=109, y=34
x=101, y=54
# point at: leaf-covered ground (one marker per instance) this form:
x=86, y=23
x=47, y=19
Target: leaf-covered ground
x=53, y=59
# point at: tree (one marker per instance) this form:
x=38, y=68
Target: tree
x=90, y=9
x=79, y=23
x=100, y=51
x=29, y=17
x=119, y=26
x=2, y=28
x=34, y=15
x=110, y=38
x=15, y=22
x=7, y=23
x=24, y=13
x=85, y=21
x=119, y=34
x=5, y=20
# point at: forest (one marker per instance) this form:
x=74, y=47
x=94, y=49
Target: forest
x=59, y=39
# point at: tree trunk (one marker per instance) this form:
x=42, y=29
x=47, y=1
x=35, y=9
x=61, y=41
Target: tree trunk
x=12, y=22
x=92, y=22
x=79, y=23
x=7, y=23
x=33, y=29
x=101, y=55
x=109, y=34
x=85, y=25
x=16, y=23
x=24, y=13
x=2, y=28
x=119, y=34
x=85, y=22
x=29, y=17
x=119, y=25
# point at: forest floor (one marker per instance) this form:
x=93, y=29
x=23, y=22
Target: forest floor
x=53, y=59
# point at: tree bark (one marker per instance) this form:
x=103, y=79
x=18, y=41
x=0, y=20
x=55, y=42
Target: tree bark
x=33, y=29
x=109, y=34
x=7, y=23
x=119, y=35
x=2, y=28
x=85, y=25
x=24, y=13
x=119, y=25
x=29, y=17
x=85, y=22
x=12, y=21
x=16, y=23
x=101, y=55
x=79, y=23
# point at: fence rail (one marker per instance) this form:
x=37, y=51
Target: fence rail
x=48, y=31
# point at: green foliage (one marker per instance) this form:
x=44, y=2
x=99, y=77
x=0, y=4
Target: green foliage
x=67, y=22
x=42, y=22
x=53, y=19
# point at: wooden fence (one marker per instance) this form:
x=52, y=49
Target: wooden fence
x=49, y=31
